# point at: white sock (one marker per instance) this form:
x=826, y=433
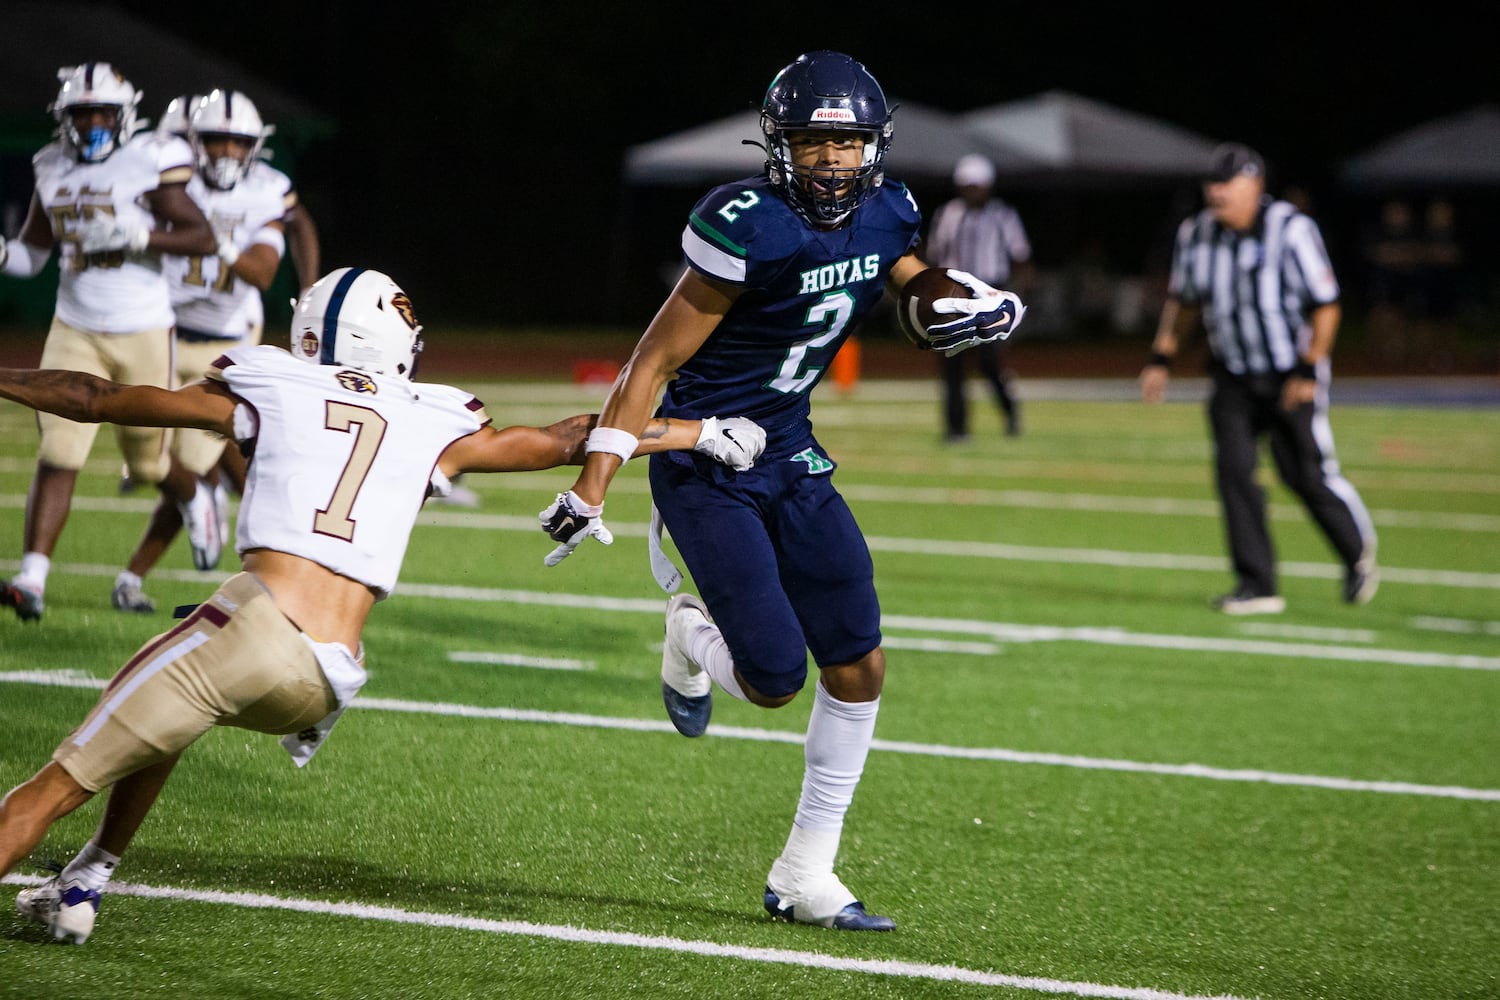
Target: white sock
x=803, y=876
x=838, y=741
x=127, y=577
x=93, y=866
x=808, y=854
x=34, y=569
x=707, y=648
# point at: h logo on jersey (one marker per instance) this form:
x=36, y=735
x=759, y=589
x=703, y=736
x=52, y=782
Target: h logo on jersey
x=357, y=382
x=816, y=464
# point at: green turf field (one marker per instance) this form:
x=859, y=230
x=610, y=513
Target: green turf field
x=1086, y=783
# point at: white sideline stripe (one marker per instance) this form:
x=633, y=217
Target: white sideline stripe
x=998, y=631
x=940, y=646
x=622, y=939
x=950, y=496
x=1309, y=632
x=1003, y=632
x=1463, y=626
x=521, y=660
x=930, y=547
x=538, y=716
x=1157, y=560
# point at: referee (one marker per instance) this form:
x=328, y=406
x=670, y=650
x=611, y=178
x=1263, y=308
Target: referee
x=979, y=233
x=1255, y=271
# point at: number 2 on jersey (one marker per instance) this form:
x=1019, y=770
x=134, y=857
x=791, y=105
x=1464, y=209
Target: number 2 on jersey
x=791, y=376
x=368, y=428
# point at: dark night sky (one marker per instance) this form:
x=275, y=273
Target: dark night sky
x=479, y=145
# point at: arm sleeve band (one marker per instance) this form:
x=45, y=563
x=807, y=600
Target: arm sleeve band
x=271, y=237
x=612, y=440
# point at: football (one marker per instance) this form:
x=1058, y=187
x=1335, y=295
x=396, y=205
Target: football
x=914, y=305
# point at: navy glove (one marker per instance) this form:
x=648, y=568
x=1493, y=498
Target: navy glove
x=990, y=315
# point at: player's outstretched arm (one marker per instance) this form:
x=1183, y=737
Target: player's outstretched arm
x=93, y=400
x=735, y=441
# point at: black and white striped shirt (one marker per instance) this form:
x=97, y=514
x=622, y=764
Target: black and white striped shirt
x=1257, y=288
x=984, y=241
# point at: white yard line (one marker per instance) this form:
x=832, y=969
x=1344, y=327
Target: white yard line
x=584, y=720
x=1001, y=632
x=621, y=939
x=928, y=496
x=521, y=660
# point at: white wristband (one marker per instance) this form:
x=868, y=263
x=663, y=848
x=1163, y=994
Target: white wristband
x=612, y=440
x=21, y=260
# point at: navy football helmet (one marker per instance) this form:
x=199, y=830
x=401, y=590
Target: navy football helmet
x=825, y=91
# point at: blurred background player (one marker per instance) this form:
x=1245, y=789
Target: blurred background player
x=1253, y=270
x=216, y=297
x=982, y=235
x=114, y=202
x=781, y=267
x=344, y=446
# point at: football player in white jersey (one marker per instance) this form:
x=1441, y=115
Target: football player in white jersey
x=346, y=448
x=217, y=298
x=113, y=202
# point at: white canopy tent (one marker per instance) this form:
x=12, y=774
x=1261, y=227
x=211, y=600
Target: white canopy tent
x=1075, y=138
x=926, y=144
x=1459, y=150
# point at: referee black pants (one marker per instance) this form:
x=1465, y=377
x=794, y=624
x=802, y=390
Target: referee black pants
x=991, y=360
x=1240, y=411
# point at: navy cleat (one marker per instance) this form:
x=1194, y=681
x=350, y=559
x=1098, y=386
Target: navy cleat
x=686, y=688
x=851, y=918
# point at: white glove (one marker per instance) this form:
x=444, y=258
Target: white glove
x=735, y=441
x=104, y=233
x=991, y=314
x=569, y=521
x=228, y=252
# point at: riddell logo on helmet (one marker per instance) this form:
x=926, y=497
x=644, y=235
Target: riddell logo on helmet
x=833, y=115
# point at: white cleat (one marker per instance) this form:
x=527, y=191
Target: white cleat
x=221, y=512
x=200, y=516
x=66, y=909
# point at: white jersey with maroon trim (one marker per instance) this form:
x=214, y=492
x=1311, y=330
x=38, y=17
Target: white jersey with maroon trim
x=206, y=296
x=116, y=292
x=341, y=458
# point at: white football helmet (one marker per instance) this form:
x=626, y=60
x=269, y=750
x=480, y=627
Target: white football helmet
x=357, y=318
x=174, y=120
x=226, y=113
x=91, y=85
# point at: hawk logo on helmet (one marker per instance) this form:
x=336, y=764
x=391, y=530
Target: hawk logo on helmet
x=402, y=305
x=309, y=344
x=357, y=382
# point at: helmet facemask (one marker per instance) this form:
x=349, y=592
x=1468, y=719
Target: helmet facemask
x=824, y=195
x=825, y=92
x=226, y=114
x=87, y=87
x=223, y=172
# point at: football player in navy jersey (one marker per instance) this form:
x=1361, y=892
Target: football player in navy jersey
x=781, y=268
